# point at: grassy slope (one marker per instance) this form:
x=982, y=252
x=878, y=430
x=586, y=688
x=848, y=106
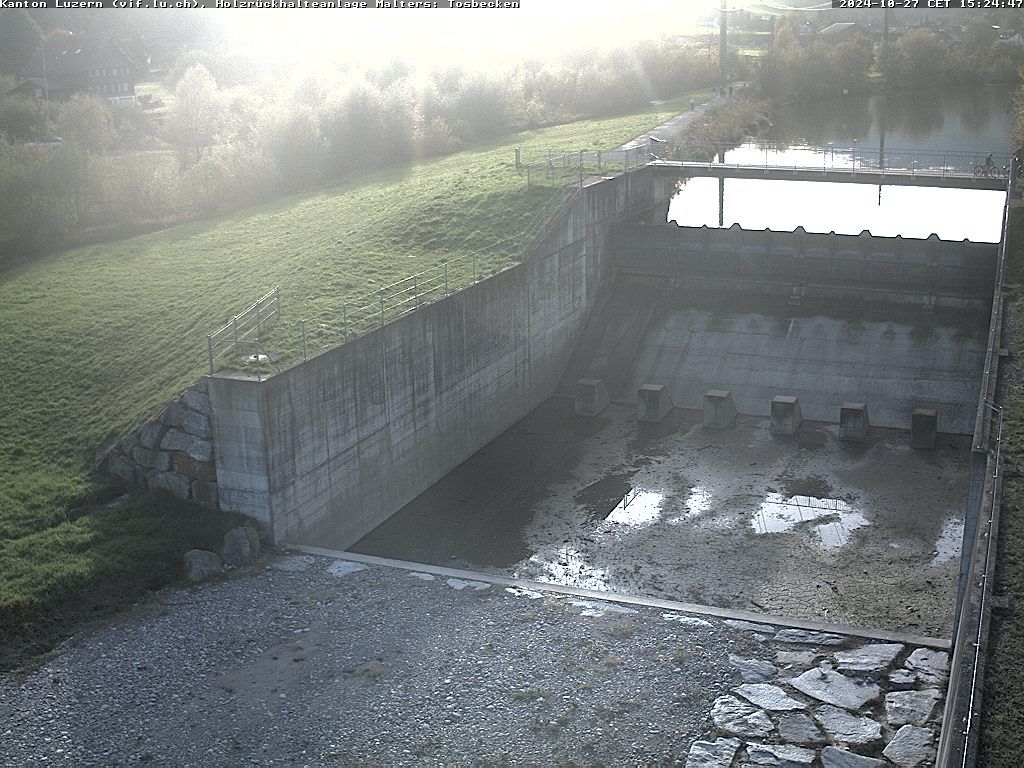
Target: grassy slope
x=98, y=338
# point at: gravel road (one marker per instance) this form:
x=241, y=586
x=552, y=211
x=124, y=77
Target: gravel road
x=311, y=661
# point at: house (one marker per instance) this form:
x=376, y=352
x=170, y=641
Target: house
x=66, y=64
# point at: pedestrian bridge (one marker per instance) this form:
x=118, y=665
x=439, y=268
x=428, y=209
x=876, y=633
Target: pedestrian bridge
x=863, y=165
x=890, y=176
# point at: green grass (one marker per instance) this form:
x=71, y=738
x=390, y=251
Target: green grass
x=1003, y=706
x=96, y=339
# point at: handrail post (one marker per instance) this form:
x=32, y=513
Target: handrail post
x=344, y=320
x=382, y=306
x=304, y=355
x=234, y=321
x=446, y=278
x=209, y=349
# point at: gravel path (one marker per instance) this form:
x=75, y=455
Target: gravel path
x=673, y=126
x=321, y=664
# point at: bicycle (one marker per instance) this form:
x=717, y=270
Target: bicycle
x=991, y=170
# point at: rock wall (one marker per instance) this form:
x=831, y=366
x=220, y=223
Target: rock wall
x=174, y=451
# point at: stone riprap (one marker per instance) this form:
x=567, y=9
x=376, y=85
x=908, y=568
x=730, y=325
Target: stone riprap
x=173, y=452
x=321, y=661
x=837, y=702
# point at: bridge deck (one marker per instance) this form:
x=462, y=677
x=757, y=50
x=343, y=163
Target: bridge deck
x=855, y=176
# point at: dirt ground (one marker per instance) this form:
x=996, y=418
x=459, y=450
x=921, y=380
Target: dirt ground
x=805, y=527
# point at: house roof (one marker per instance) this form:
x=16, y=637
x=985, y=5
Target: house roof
x=839, y=28
x=72, y=55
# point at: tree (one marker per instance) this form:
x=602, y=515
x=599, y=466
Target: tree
x=195, y=120
x=86, y=121
x=917, y=60
x=20, y=37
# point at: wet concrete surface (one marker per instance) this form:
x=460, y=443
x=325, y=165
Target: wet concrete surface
x=806, y=527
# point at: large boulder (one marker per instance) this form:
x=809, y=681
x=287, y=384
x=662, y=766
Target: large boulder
x=241, y=546
x=201, y=565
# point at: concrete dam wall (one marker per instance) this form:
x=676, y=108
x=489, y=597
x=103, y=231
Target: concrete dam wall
x=864, y=267
x=325, y=451
x=895, y=323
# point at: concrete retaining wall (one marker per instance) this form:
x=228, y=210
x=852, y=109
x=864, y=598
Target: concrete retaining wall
x=854, y=266
x=327, y=450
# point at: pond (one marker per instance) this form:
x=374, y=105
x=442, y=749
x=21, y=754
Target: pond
x=899, y=129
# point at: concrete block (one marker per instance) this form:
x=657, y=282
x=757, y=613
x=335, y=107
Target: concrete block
x=786, y=416
x=185, y=465
x=653, y=402
x=591, y=397
x=924, y=426
x=719, y=409
x=853, y=422
x=196, y=424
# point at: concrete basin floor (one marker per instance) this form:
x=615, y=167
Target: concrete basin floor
x=806, y=527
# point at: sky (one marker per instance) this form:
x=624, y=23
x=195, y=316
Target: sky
x=538, y=26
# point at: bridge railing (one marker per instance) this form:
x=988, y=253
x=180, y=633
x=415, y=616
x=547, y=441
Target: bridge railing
x=851, y=159
x=572, y=168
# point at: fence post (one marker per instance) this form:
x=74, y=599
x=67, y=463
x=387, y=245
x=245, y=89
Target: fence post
x=416, y=293
x=209, y=349
x=234, y=321
x=599, y=167
x=304, y=355
x=258, y=329
x=476, y=267
x=382, y=306
x=277, y=300
x=518, y=160
x=344, y=320
x=259, y=365
x=446, y=277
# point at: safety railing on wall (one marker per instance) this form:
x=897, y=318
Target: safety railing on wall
x=239, y=337
x=574, y=168
x=845, y=159
x=958, y=742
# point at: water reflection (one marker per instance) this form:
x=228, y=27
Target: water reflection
x=638, y=507
x=970, y=120
x=778, y=514
x=917, y=212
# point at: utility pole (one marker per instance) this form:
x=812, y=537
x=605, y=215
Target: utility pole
x=884, y=51
x=723, y=46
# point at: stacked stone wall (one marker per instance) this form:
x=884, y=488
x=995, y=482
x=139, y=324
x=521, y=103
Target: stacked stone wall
x=174, y=451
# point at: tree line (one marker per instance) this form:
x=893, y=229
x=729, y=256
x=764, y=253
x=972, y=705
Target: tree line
x=234, y=135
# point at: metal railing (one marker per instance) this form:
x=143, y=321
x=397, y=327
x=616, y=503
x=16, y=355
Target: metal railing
x=958, y=741
x=573, y=168
x=850, y=159
x=239, y=336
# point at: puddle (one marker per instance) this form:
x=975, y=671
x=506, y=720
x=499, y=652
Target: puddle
x=637, y=507
x=950, y=542
x=837, y=534
x=779, y=513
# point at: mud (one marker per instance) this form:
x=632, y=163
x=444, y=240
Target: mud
x=805, y=527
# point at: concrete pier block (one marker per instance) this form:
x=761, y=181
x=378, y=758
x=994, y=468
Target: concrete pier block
x=653, y=402
x=924, y=426
x=591, y=397
x=853, y=422
x=719, y=409
x=786, y=416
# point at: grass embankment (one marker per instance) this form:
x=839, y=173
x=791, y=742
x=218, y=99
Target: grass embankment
x=96, y=339
x=1003, y=707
